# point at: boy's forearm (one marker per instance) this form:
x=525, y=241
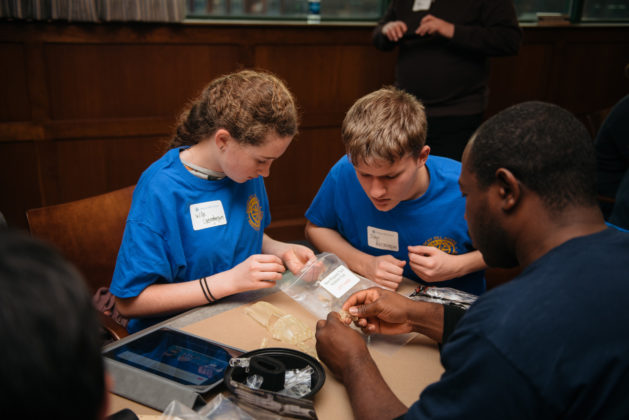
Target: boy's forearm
x=329, y=240
x=471, y=262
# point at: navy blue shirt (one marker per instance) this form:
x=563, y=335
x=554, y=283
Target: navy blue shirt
x=548, y=344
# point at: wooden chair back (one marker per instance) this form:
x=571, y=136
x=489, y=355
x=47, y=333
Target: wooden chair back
x=87, y=232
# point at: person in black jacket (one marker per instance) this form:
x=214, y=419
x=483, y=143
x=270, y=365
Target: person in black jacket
x=444, y=47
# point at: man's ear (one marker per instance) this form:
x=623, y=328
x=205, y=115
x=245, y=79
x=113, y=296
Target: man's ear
x=509, y=189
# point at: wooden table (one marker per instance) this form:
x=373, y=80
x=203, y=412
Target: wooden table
x=407, y=368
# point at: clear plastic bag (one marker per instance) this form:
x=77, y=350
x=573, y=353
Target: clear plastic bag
x=219, y=407
x=323, y=285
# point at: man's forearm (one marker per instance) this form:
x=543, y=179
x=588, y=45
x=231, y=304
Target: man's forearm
x=427, y=318
x=369, y=394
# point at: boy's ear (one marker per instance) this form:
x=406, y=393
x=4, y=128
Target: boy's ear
x=509, y=189
x=423, y=155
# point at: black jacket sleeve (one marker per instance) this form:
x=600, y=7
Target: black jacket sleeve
x=451, y=316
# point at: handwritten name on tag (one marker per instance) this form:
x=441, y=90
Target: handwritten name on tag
x=382, y=239
x=339, y=281
x=207, y=215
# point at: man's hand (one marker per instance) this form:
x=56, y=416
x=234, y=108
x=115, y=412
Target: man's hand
x=344, y=351
x=431, y=25
x=380, y=311
x=338, y=346
x=385, y=270
x=431, y=264
x=394, y=30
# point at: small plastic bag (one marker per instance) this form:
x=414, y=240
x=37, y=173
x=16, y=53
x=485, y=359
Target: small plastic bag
x=323, y=285
x=443, y=295
x=297, y=382
x=219, y=407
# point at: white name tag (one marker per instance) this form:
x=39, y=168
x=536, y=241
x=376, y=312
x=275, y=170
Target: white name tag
x=382, y=239
x=339, y=281
x=420, y=5
x=207, y=215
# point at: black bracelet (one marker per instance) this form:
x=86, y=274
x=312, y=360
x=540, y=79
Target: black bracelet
x=204, y=292
x=208, y=288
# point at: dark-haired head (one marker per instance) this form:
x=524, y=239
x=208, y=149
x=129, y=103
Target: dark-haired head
x=248, y=104
x=546, y=148
x=51, y=353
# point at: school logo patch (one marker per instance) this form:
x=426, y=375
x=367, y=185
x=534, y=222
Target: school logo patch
x=446, y=245
x=254, y=212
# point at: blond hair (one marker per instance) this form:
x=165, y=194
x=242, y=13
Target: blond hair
x=385, y=125
x=248, y=104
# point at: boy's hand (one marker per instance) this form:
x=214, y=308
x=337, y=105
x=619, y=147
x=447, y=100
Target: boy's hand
x=431, y=264
x=386, y=270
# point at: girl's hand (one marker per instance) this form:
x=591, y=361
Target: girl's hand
x=257, y=272
x=296, y=256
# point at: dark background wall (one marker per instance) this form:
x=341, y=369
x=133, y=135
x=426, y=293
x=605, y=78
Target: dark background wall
x=84, y=109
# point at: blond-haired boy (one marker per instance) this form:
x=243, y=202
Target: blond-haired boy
x=388, y=209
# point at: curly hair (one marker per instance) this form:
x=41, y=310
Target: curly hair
x=248, y=104
x=546, y=147
x=384, y=125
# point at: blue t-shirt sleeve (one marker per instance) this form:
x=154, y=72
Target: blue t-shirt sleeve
x=479, y=382
x=143, y=259
x=322, y=210
x=265, y=204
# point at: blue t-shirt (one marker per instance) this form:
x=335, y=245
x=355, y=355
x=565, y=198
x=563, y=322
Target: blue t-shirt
x=436, y=218
x=181, y=227
x=549, y=344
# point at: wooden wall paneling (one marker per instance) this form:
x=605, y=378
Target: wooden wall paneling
x=86, y=106
x=14, y=98
x=19, y=181
x=77, y=168
x=108, y=81
x=296, y=176
x=128, y=157
x=295, y=179
x=326, y=79
x=521, y=78
x=596, y=83
x=37, y=81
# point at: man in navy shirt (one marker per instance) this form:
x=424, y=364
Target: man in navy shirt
x=546, y=344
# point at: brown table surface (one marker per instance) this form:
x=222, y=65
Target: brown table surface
x=407, y=368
